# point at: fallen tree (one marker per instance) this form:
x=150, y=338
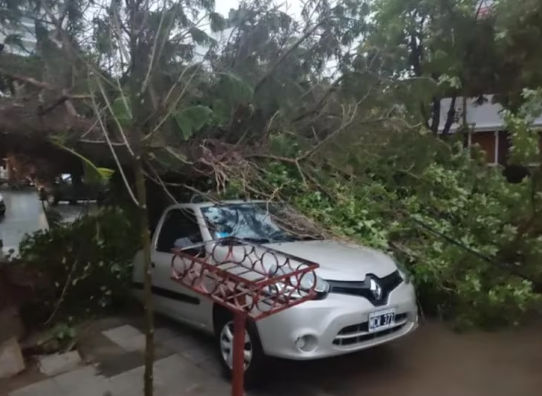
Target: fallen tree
x=260, y=114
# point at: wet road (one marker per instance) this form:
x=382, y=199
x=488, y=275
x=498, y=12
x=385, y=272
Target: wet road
x=24, y=214
x=71, y=213
x=434, y=361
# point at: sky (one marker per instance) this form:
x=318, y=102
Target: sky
x=291, y=7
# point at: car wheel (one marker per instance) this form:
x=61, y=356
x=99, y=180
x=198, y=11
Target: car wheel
x=255, y=358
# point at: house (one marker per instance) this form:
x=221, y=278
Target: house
x=486, y=126
x=24, y=31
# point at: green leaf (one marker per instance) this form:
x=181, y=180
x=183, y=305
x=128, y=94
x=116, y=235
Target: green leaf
x=192, y=119
x=235, y=89
x=93, y=174
x=121, y=109
x=169, y=158
x=217, y=22
x=199, y=36
x=222, y=112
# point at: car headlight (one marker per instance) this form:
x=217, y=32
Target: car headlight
x=405, y=274
x=299, y=287
x=310, y=281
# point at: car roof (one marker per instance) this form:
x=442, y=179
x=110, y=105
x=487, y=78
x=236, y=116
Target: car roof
x=209, y=203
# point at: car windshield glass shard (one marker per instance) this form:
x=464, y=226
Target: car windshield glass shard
x=252, y=222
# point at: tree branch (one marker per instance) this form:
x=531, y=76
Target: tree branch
x=285, y=55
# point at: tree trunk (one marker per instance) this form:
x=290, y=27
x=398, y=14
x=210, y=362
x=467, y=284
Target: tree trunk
x=141, y=191
x=435, y=115
x=450, y=116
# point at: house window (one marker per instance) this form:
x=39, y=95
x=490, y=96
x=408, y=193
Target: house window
x=496, y=146
x=487, y=141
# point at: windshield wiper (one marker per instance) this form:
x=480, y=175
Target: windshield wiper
x=310, y=238
x=284, y=238
x=257, y=240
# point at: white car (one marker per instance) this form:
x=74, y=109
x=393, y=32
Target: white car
x=2, y=206
x=364, y=298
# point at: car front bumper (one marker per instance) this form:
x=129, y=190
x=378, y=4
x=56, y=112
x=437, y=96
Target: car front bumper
x=336, y=325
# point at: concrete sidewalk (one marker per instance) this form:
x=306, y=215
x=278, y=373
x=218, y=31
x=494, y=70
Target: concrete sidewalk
x=114, y=359
x=434, y=361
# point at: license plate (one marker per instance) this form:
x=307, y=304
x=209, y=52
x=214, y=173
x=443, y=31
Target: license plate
x=381, y=320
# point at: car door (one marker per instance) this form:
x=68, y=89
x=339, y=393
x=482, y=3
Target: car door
x=179, y=228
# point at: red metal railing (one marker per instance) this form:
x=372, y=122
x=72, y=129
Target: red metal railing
x=248, y=279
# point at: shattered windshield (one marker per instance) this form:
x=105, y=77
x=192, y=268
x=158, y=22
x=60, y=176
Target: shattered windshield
x=254, y=222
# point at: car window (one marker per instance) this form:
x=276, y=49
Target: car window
x=251, y=222
x=254, y=222
x=179, y=230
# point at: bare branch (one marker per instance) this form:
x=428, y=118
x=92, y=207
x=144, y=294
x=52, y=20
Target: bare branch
x=119, y=125
x=113, y=152
x=285, y=55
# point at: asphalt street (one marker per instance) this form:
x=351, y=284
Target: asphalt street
x=24, y=214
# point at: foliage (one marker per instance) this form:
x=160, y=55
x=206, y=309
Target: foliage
x=516, y=39
x=192, y=119
x=93, y=175
x=87, y=263
x=471, y=239
x=328, y=110
x=61, y=337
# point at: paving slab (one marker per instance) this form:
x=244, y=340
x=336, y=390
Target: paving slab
x=11, y=358
x=164, y=334
x=130, y=383
x=30, y=376
x=123, y=335
x=212, y=366
x=97, y=347
x=199, y=354
x=177, y=376
x=115, y=365
x=135, y=343
x=179, y=344
x=84, y=378
x=59, y=362
x=177, y=370
x=43, y=388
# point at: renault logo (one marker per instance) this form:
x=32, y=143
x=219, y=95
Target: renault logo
x=376, y=289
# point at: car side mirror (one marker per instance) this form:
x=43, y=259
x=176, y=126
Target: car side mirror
x=195, y=251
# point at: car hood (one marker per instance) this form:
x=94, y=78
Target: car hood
x=338, y=260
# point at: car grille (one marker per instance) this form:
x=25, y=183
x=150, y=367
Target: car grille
x=363, y=289
x=359, y=333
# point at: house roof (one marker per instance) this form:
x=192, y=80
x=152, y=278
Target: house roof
x=480, y=117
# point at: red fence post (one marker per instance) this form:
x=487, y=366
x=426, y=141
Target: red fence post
x=238, y=374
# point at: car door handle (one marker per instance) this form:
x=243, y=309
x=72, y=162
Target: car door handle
x=153, y=265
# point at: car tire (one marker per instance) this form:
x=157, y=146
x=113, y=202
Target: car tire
x=224, y=338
